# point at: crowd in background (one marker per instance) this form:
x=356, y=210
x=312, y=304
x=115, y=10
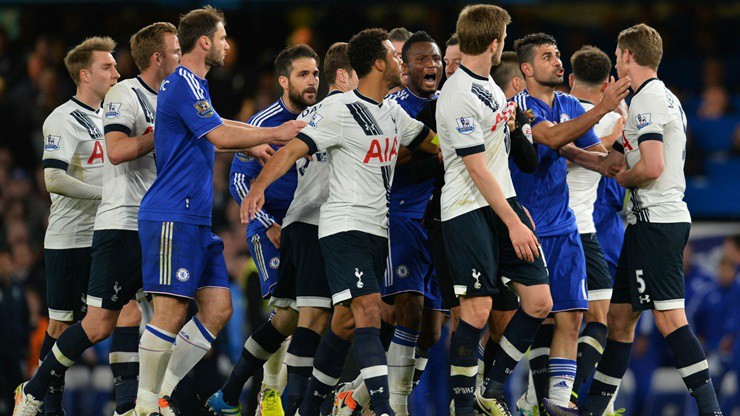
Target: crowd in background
x=701, y=65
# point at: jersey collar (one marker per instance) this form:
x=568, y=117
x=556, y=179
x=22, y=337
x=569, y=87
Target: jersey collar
x=143, y=84
x=334, y=92
x=85, y=106
x=644, y=84
x=285, y=107
x=368, y=99
x=472, y=74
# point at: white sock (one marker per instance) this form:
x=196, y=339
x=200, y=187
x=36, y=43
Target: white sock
x=610, y=407
x=193, y=342
x=401, y=365
x=480, y=377
x=530, y=396
x=273, y=367
x=155, y=348
x=562, y=374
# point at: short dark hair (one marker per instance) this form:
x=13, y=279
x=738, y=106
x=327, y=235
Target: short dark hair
x=399, y=34
x=453, y=40
x=197, y=23
x=417, y=37
x=525, y=46
x=336, y=58
x=591, y=65
x=365, y=48
x=284, y=60
x=504, y=72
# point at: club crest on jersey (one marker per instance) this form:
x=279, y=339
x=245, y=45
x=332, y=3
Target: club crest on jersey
x=113, y=110
x=564, y=117
x=465, y=125
x=52, y=143
x=315, y=120
x=204, y=108
x=182, y=274
x=643, y=120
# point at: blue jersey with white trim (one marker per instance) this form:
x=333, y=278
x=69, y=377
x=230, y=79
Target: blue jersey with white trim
x=245, y=169
x=409, y=199
x=183, y=189
x=545, y=192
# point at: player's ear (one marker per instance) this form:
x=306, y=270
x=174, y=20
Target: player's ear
x=341, y=76
x=204, y=42
x=570, y=80
x=283, y=81
x=404, y=69
x=527, y=69
x=380, y=64
x=604, y=85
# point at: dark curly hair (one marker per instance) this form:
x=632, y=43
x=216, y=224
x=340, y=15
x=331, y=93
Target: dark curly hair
x=284, y=60
x=591, y=65
x=417, y=37
x=365, y=48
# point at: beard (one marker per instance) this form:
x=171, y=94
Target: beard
x=213, y=59
x=551, y=81
x=298, y=97
x=393, y=79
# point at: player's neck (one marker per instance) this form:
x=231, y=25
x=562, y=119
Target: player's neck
x=592, y=95
x=195, y=63
x=479, y=64
x=420, y=94
x=373, y=86
x=541, y=92
x=150, y=78
x=290, y=105
x=639, y=74
x=88, y=97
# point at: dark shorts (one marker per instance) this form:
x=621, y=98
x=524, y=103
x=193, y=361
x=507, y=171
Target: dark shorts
x=67, y=277
x=480, y=253
x=410, y=267
x=355, y=264
x=650, y=269
x=302, y=274
x=179, y=259
x=598, y=277
x=442, y=269
x=115, y=272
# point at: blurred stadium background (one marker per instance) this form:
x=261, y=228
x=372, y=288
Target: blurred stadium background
x=701, y=64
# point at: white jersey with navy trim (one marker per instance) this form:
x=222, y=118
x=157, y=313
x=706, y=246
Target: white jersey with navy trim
x=656, y=114
x=471, y=118
x=361, y=137
x=129, y=107
x=313, y=177
x=73, y=142
x=584, y=183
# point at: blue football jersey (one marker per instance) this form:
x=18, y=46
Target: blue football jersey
x=545, y=192
x=609, y=199
x=245, y=169
x=409, y=199
x=183, y=190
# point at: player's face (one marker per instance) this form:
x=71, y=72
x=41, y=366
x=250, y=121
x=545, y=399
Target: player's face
x=172, y=54
x=102, y=74
x=548, y=68
x=393, y=67
x=219, y=46
x=303, y=82
x=399, y=49
x=499, y=50
x=453, y=56
x=352, y=79
x=424, y=67
x=621, y=67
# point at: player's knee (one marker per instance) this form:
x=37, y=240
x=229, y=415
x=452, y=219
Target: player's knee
x=56, y=328
x=408, y=314
x=669, y=321
x=475, y=311
x=130, y=315
x=538, y=307
x=366, y=311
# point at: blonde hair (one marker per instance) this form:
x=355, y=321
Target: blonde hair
x=81, y=56
x=479, y=25
x=644, y=43
x=149, y=40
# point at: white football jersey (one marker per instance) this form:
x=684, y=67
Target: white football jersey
x=73, y=142
x=471, y=118
x=129, y=107
x=656, y=114
x=361, y=137
x=583, y=183
x=313, y=178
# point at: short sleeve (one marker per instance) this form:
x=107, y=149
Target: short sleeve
x=589, y=138
x=60, y=141
x=193, y=105
x=119, y=110
x=465, y=131
x=412, y=131
x=649, y=114
x=324, y=129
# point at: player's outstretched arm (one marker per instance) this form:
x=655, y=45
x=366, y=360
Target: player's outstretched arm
x=607, y=164
x=58, y=182
x=647, y=169
x=276, y=167
x=122, y=148
x=233, y=136
x=522, y=238
x=556, y=136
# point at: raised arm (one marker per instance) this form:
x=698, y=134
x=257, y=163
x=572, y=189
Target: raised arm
x=231, y=135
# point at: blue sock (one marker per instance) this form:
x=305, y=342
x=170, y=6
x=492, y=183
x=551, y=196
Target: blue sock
x=515, y=341
x=607, y=377
x=590, y=347
x=327, y=369
x=464, y=367
x=371, y=359
x=692, y=365
x=67, y=349
x=299, y=360
x=538, y=360
x=259, y=347
x=124, y=363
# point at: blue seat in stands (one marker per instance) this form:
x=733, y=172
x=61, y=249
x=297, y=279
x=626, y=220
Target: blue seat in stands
x=713, y=135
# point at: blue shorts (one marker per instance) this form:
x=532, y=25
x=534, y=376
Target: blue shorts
x=179, y=259
x=266, y=257
x=610, y=232
x=567, y=265
x=410, y=267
